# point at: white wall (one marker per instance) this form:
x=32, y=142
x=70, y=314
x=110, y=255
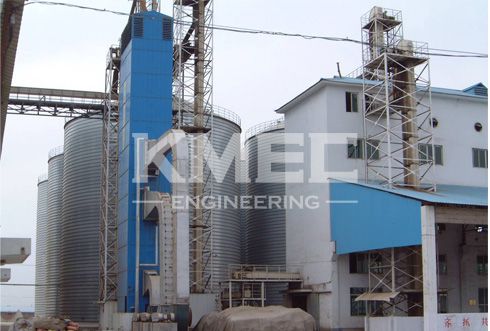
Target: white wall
x=308, y=231
x=456, y=133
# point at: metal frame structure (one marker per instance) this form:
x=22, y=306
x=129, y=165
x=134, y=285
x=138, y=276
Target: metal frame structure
x=55, y=102
x=192, y=89
x=109, y=180
x=246, y=285
x=396, y=103
x=398, y=272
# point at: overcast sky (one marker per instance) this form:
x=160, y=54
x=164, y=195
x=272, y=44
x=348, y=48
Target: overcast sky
x=66, y=48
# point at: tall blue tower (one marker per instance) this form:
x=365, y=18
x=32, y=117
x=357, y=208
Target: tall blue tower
x=145, y=109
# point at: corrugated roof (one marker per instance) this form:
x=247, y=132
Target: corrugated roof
x=445, y=194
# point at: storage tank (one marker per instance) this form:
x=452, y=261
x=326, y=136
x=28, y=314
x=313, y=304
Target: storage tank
x=41, y=231
x=226, y=222
x=266, y=228
x=53, y=230
x=80, y=220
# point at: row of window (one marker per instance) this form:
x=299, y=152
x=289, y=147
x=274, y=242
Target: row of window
x=361, y=308
x=355, y=150
x=481, y=265
x=359, y=263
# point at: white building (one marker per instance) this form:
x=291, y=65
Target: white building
x=335, y=257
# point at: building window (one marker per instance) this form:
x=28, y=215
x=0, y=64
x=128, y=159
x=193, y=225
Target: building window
x=442, y=303
x=376, y=261
x=425, y=153
x=480, y=158
x=442, y=265
x=351, y=104
x=372, y=149
x=483, y=299
x=482, y=265
x=357, y=308
x=355, y=149
x=358, y=263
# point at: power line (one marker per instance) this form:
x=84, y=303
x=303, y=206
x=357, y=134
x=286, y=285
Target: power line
x=455, y=53
x=54, y=3
x=34, y=285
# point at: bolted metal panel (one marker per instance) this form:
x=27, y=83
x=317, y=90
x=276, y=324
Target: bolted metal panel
x=41, y=231
x=80, y=220
x=53, y=230
x=266, y=228
x=226, y=222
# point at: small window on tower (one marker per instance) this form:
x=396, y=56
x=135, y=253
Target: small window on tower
x=351, y=104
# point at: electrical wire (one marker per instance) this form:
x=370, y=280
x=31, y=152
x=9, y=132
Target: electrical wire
x=55, y=3
x=20, y=284
x=455, y=53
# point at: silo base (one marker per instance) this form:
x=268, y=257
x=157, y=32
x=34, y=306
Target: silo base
x=106, y=316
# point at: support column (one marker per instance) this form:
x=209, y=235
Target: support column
x=429, y=267
x=262, y=294
x=230, y=293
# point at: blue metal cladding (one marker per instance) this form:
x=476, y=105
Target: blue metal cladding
x=145, y=111
x=363, y=218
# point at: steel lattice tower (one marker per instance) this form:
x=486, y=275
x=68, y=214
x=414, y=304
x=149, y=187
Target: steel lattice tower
x=396, y=103
x=109, y=180
x=193, y=94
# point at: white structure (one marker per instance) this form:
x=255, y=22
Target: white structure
x=461, y=158
x=13, y=251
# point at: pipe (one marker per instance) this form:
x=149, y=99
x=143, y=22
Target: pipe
x=138, y=201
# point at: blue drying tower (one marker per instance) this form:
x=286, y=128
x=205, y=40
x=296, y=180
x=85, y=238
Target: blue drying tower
x=145, y=110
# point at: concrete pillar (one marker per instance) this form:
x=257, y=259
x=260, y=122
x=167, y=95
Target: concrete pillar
x=429, y=267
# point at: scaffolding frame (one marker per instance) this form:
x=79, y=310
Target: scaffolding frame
x=396, y=103
x=193, y=97
x=109, y=180
x=397, y=271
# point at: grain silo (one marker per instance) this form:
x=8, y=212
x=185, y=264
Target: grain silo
x=53, y=230
x=80, y=220
x=266, y=228
x=41, y=231
x=226, y=221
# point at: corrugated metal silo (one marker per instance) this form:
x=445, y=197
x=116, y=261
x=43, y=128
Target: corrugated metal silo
x=226, y=222
x=266, y=228
x=53, y=230
x=80, y=222
x=41, y=231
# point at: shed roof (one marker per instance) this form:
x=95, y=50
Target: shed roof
x=445, y=194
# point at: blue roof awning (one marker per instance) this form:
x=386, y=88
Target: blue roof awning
x=382, y=218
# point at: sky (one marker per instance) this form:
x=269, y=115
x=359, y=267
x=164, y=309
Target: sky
x=66, y=48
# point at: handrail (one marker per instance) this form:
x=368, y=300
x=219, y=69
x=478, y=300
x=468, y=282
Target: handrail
x=289, y=272
x=42, y=178
x=55, y=151
x=264, y=127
